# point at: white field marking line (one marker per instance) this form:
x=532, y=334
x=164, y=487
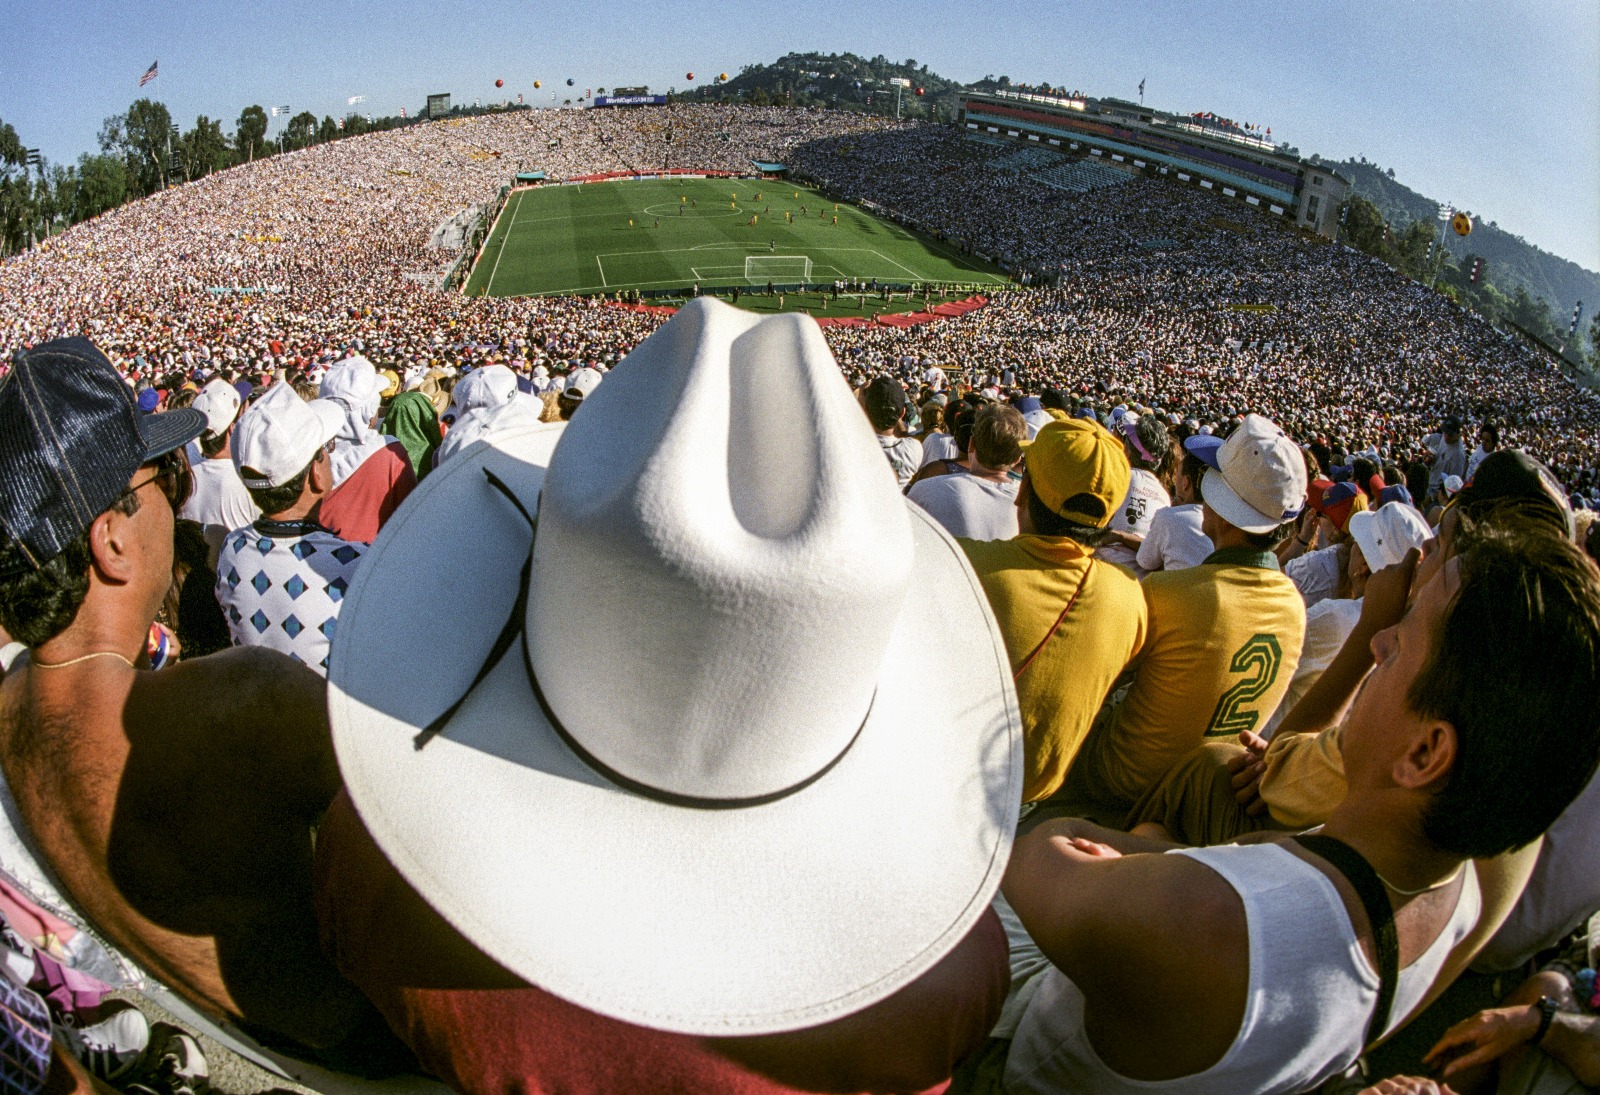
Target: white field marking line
x=602, y=266
x=503, y=239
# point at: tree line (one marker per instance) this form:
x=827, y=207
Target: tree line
x=1412, y=250
x=141, y=152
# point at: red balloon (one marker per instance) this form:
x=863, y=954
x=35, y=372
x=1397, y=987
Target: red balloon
x=691, y=76
x=922, y=91
x=499, y=83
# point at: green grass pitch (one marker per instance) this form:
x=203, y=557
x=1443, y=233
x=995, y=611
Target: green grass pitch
x=578, y=239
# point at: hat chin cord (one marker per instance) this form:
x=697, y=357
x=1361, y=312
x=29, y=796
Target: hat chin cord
x=513, y=630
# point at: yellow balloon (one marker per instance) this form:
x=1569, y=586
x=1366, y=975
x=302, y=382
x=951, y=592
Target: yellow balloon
x=537, y=84
x=1461, y=224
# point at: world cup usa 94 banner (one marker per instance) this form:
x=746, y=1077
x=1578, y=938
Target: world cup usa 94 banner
x=630, y=100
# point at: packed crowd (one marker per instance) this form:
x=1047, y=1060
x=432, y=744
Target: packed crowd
x=1111, y=690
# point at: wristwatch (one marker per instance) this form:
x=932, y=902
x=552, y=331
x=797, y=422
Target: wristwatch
x=1547, y=1013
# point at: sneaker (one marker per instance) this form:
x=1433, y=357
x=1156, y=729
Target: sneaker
x=111, y=1048
x=175, y=1062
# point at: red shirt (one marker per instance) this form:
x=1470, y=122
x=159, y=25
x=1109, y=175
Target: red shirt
x=480, y=1028
x=357, y=508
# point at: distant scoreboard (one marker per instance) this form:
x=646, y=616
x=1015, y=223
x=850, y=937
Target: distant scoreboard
x=438, y=105
x=630, y=100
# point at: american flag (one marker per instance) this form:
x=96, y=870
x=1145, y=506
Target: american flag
x=277, y=110
x=354, y=99
x=149, y=74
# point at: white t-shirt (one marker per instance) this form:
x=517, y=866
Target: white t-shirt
x=1174, y=540
x=904, y=455
x=934, y=378
x=220, y=503
x=1146, y=496
x=1328, y=624
x=970, y=506
x=1315, y=574
x=939, y=446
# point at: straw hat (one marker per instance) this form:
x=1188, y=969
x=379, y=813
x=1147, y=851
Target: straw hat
x=703, y=788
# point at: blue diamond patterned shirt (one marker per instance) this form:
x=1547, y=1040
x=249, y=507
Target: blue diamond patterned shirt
x=281, y=583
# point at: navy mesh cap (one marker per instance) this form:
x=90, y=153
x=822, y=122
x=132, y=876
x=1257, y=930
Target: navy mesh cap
x=71, y=437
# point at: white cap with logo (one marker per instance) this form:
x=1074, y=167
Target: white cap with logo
x=219, y=402
x=278, y=437
x=1261, y=477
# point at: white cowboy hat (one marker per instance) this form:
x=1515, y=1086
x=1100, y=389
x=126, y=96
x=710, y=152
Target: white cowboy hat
x=705, y=789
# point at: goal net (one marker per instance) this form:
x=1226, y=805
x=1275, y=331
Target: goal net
x=783, y=268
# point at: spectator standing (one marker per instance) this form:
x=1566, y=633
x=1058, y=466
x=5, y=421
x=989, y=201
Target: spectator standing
x=885, y=403
x=1449, y=454
x=372, y=473
x=219, y=503
x=282, y=579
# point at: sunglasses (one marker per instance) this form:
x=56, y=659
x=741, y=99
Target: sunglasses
x=173, y=476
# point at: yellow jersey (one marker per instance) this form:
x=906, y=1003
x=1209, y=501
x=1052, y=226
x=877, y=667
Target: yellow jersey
x=1070, y=623
x=1224, y=639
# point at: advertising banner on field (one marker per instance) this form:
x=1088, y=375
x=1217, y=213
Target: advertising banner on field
x=630, y=100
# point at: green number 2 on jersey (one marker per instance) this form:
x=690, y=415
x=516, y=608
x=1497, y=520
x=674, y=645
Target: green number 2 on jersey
x=1259, y=660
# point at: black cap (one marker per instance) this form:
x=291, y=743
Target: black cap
x=1511, y=474
x=71, y=436
x=1452, y=424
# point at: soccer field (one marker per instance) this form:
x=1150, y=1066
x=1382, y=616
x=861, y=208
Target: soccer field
x=659, y=234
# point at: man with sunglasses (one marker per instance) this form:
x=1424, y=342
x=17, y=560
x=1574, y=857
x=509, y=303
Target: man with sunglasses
x=170, y=811
x=282, y=578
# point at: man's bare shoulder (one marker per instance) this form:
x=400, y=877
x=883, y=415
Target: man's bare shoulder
x=241, y=693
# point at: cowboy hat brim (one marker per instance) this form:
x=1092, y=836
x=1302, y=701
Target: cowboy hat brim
x=700, y=921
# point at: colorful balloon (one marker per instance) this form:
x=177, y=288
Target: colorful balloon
x=499, y=83
x=537, y=84
x=723, y=77
x=922, y=91
x=1461, y=224
x=569, y=81
x=691, y=76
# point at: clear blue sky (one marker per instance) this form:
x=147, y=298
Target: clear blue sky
x=1492, y=104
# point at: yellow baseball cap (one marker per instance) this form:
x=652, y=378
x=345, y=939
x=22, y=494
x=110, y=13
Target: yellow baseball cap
x=1078, y=461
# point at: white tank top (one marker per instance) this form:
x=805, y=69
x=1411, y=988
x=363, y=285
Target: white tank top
x=1310, y=997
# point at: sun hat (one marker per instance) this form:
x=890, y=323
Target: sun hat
x=1262, y=477
x=71, y=439
x=1388, y=532
x=1451, y=484
x=391, y=382
x=697, y=783
x=1038, y=420
x=1078, y=470
x=489, y=386
x=280, y=435
x=220, y=403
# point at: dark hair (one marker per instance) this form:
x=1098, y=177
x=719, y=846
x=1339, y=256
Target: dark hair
x=1047, y=522
x=961, y=424
x=1194, y=469
x=885, y=403
x=1417, y=481
x=1266, y=541
x=1515, y=670
x=1363, y=469
x=271, y=500
x=37, y=605
x=211, y=445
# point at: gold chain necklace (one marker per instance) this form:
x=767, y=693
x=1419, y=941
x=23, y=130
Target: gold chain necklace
x=83, y=658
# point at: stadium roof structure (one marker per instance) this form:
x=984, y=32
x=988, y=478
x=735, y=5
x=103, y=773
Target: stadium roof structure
x=1195, y=149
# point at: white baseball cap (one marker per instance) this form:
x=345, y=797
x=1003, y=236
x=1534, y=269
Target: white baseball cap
x=1261, y=480
x=1388, y=532
x=219, y=402
x=280, y=435
x=581, y=383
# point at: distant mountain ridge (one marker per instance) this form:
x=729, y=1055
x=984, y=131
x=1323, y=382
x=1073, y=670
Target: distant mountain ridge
x=1510, y=261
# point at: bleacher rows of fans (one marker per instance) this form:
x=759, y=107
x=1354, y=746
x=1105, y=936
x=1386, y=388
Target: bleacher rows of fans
x=1167, y=296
